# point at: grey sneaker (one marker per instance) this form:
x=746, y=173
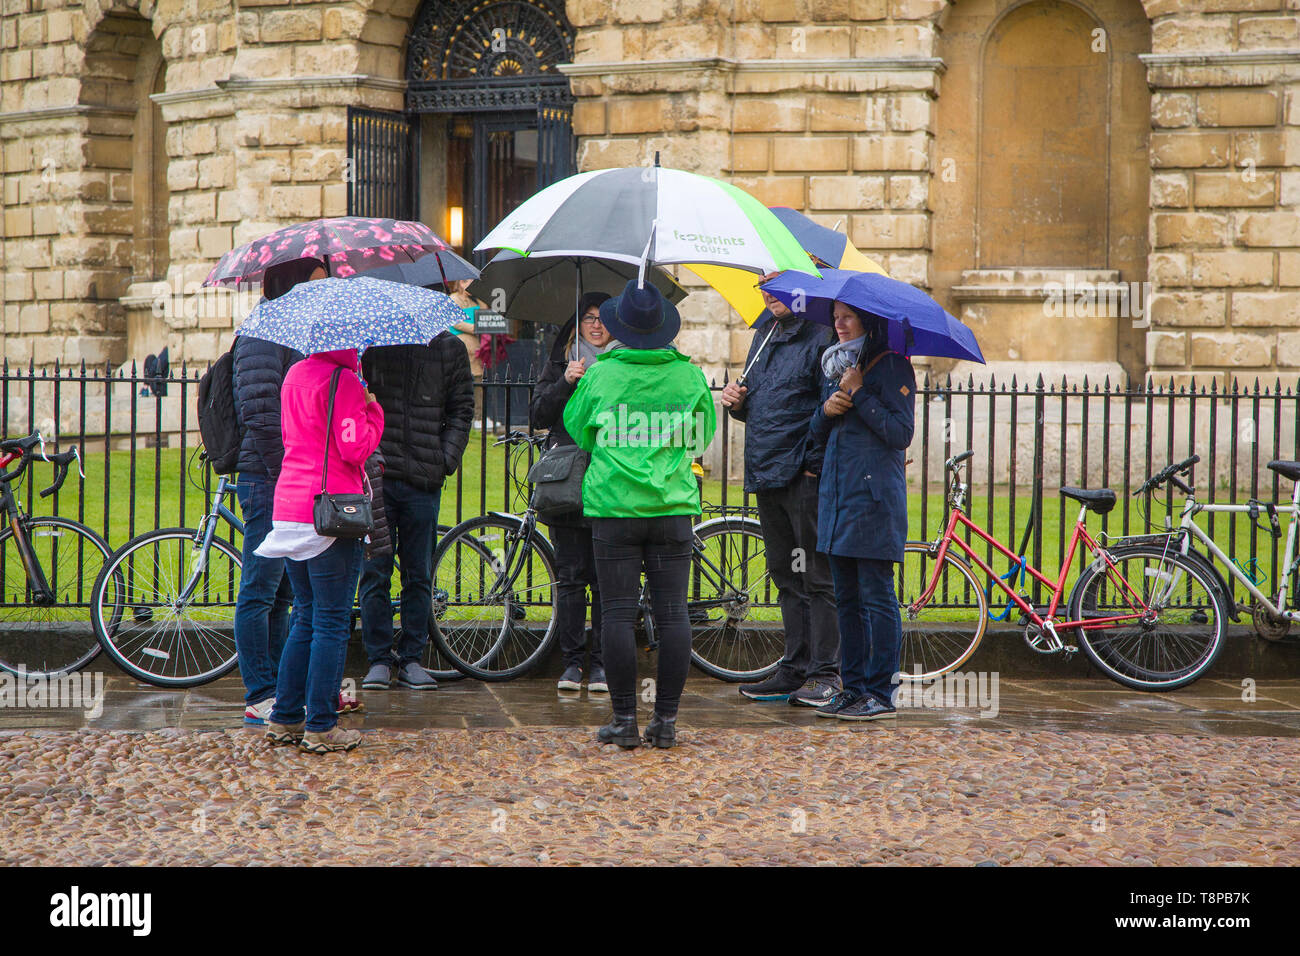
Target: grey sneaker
x=288, y=734
x=378, y=677
x=571, y=679
x=814, y=693
x=415, y=677
x=330, y=741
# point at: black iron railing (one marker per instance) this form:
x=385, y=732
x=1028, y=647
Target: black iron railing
x=138, y=436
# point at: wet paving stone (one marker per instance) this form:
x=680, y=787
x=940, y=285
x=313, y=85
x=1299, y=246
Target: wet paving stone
x=547, y=796
x=1067, y=772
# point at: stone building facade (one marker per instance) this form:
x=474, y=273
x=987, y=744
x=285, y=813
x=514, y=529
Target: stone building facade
x=1011, y=156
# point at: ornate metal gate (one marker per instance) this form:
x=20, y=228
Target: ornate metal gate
x=381, y=172
x=496, y=61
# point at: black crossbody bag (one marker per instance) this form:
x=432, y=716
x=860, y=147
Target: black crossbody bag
x=339, y=516
x=557, y=477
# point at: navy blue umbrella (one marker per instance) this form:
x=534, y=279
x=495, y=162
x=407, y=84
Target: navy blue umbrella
x=433, y=269
x=918, y=325
x=355, y=313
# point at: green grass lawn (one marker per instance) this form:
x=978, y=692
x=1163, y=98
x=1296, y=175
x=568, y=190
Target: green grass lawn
x=170, y=493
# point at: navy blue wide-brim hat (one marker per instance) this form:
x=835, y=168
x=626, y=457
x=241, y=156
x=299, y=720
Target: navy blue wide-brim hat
x=641, y=318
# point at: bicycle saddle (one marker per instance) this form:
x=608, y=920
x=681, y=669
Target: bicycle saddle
x=1287, y=469
x=1100, y=500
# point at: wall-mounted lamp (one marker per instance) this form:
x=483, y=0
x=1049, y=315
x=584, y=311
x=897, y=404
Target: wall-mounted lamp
x=456, y=226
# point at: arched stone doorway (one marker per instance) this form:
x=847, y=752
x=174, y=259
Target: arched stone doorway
x=123, y=205
x=488, y=118
x=1041, y=180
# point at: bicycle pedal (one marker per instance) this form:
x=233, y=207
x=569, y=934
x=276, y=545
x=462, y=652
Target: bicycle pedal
x=1025, y=620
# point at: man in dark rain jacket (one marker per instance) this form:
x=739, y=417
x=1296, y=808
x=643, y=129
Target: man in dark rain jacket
x=782, y=465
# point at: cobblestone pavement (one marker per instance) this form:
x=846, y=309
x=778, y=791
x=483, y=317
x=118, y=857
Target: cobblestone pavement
x=1187, y=780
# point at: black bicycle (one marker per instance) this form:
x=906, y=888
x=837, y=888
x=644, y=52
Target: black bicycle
x=164, y=604
x=495, y=594
x=47, y=568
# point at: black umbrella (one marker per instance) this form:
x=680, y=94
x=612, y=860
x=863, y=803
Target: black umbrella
x=547, y=288
x=432, y=269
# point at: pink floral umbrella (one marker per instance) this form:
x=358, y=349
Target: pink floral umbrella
x=348, y=244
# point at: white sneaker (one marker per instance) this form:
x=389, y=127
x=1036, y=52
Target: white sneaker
x=258, y=714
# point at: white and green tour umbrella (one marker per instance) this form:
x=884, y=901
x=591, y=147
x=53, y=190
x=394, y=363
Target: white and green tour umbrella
x=650, y=215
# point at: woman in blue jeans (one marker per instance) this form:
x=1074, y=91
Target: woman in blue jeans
x=323, y=570
x=866, y=424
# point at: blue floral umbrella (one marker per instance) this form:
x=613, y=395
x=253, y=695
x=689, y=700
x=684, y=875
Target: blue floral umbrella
x=331, y=314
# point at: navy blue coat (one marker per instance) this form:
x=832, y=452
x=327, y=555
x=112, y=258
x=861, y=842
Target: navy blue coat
x=862, y=509
x=784, y=391
x=259, y=372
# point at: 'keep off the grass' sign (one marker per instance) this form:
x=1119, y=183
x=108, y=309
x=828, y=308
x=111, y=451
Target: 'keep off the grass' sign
x=490, y=323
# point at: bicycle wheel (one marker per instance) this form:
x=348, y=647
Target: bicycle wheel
x=498, y=619
x=47, y=640
x=1180, y=625
x=736, y=625
x=166, y=612
x=941, y=633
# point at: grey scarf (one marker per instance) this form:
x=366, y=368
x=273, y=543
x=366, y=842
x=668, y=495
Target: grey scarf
x=842, y=356
x=582, y=349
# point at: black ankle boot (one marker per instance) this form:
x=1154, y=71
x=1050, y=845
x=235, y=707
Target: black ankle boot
x=620, y=730
x=661, y=732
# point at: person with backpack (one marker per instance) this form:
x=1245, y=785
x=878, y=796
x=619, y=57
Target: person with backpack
x=262, y=607
x=865, y=426
x=644, y=412
x=577, y=347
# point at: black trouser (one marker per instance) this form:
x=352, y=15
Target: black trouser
x=575, y=569
x=803, y=580
x=662, y=546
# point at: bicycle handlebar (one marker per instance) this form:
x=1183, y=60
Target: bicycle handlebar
x=518, y=437
x=61, y=463
x=956, y=460
x=1170, y=475
x=26, y=448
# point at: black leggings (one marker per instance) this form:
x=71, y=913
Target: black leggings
x=662, y=546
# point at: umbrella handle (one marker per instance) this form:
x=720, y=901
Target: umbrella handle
x=745, y=374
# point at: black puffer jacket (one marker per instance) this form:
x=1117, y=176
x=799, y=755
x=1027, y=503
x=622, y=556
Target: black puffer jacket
x=381, y=540
x=427, y=394
x=259, y=372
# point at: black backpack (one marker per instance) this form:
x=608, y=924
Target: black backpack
x=218, y=417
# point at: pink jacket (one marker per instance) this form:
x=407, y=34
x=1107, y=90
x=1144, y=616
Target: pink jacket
x=358, y=425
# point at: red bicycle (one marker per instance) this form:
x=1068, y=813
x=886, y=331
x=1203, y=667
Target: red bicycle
x=1146, y=616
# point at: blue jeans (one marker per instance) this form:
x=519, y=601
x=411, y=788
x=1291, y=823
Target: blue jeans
x=871, y=628
x=262, y=609
x=323, y=590
x=412, y=522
